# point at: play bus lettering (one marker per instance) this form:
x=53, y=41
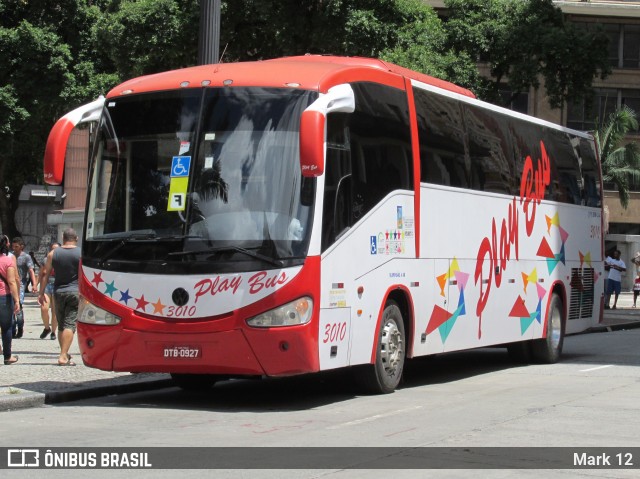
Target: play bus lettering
x=311, y=213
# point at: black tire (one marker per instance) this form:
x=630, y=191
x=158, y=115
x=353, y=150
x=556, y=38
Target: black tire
x=548, y=350
x=194, y=382
x=384, y=376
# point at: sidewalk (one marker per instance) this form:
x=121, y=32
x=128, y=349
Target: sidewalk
x=623, y=317
x=37, y=379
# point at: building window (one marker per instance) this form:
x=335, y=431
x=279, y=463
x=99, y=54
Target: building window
x=624, y=42
x=583, y=115
x=519, y=102
x=631, y=46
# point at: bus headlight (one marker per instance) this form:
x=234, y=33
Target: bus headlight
x=290, y=314
x=89, y=313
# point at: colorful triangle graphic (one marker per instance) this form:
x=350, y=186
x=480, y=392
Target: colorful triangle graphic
x=438, y=317
x=525, y=322
x=519, y=309
x=545, y=250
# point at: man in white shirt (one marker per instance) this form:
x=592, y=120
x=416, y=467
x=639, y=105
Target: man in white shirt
x=615, y=266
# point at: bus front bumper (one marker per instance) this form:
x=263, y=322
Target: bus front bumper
x=232, y=352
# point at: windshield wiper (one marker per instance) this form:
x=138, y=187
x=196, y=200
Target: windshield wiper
x=134, y=237
x=226, y=249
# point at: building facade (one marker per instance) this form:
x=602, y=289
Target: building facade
x=620, y=20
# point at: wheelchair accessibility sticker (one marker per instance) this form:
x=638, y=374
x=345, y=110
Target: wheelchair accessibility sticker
x=180, y=166
x=179, y=184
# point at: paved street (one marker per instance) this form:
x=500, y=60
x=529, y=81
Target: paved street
x=37, y=379
x=37, y=376
x=463, y=401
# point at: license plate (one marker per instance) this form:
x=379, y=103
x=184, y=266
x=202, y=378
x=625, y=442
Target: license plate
x=182, y=352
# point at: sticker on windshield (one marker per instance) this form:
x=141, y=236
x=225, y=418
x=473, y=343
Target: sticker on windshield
x=180, y=166
x=178, y=194
x=184, y=147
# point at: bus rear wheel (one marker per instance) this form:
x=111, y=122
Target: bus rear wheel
x=384, y=375
x=548, y=349
x=194, y=382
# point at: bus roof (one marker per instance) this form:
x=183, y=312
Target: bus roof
x=308, y=72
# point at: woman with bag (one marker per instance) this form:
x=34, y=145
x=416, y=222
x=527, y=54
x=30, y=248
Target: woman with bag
x=9, y=299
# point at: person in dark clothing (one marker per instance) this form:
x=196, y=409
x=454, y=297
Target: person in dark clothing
x=66, y=261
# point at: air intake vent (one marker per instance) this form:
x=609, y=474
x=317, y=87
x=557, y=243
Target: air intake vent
x=581, y=301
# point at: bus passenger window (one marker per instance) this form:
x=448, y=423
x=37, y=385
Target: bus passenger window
x=443, y=160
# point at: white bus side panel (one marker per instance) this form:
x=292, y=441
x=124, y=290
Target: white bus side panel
x=489, y=301
x=377, y=254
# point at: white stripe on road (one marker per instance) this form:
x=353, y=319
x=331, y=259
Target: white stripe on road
x=373, y=418
x=595, y=369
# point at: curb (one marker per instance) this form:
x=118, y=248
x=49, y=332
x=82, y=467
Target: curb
x=12, y=398
x=614, y=327
x=15, y=398
x=56, y=397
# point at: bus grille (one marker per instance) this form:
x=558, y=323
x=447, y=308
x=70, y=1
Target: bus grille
x=581, y=302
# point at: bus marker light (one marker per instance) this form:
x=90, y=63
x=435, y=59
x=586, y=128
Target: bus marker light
x=227, y=82
x=359, y=312
x=360, y=291
x=126, y=92
x=184, y=84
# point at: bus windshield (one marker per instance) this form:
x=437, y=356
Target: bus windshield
x=205, y=175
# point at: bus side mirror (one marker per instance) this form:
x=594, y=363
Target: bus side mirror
x=312, y=126
x=56, y=149
x=339, y=98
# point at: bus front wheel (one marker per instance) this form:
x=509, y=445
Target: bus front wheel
x=384, y=375
x=194, y=382
x=548, y=349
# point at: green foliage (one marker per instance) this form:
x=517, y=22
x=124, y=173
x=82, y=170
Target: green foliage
x=271, y=28
x=620, y=159
x=58, y=55
x=46, y=53
x=149, y=36
x=524, y=42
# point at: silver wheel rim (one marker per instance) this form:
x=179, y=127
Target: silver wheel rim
x=555, y=324
x=391, y=348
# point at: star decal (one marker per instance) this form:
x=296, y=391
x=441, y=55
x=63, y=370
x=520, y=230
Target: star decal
x=158, y=307
x=142, y=304
x=97, y=279
x=110, y=288
x=124, y=297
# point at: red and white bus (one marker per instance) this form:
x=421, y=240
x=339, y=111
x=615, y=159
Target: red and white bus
x=310, y=213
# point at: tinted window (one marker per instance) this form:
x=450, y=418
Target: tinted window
x=368, y=156
x=443, y=159
x=490, y=151
x=467, y=146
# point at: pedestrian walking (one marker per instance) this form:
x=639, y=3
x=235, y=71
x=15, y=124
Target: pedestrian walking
x=25, y=271
x=9, y=299
x=50, y=325
x=65, y=260
x=636, y=289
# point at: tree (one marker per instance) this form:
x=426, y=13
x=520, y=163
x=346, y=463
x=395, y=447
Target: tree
x=620, y=159
x=149, y=36
x=46, y=53
x=524, y=42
